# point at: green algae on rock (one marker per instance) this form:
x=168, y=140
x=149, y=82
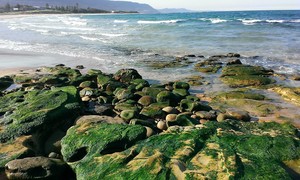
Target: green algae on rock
x=224, y=150
x=26, y=112
x=246, y=75
x=289, y=93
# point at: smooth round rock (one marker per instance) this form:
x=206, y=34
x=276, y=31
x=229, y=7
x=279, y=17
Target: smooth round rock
x=171, y=117
x=35, y=168
x=149, y=132
x=238, y=114
x=85, y=99
x=162, y=125
x=170, y=110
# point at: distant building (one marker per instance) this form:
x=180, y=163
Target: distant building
x=15, y=9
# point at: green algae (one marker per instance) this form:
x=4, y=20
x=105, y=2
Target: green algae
x=31, y=110
x=231, y=150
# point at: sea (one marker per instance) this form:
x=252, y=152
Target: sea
x=113, y=41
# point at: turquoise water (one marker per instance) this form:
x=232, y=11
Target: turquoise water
x=268, y=38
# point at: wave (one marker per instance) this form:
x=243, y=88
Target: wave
x=214, y=20
x=295, y=21
x=120, y=21
x=249, y=21
x=159, y=22
x=113, y=35
x=93, y=39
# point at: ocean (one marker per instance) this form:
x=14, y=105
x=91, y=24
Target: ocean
x=113, y=41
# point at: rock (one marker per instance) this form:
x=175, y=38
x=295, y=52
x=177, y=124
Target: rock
x=150, y=131
x=192, y=152
x=79, y=67
x=170, y=110
x=181, y=92
x=162, y=125
x=206, y=115
x=154, y=110
x=126, y=106
x=296, y=78
x=18, y=148
x=54, y=155
x=128, y=114
x=127, y=75
x=5, y=82
x=203, y=121
x=233, y=55
x=245, y=75
x=190, y=56
x=181, y=85
x=85, y=99
x=88, y=84
x=234, y=61
x=104, y=109
x=36, y=168
x=164, y=96
x=103, y=80
x=122, y=94
x=90, y=119
x=151, y=91
x=146, y=100
x=221, y=117
x=94, y=72
x=182, y=120
x=60, y=65
x=289, y=93
x=190, y=106
x=148, y=123
x=87, y=92
x=171, y=117
x=36, y=110
x=140, y=84
x=238, y=114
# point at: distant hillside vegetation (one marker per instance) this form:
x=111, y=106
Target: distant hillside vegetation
x=98, y=4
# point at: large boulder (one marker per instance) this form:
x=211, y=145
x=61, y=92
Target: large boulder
x=36, y=168
x=246, y=75
x=225, y=150
x=127, y=75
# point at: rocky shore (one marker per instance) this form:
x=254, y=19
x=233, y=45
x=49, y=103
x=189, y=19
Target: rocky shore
x=59, y=123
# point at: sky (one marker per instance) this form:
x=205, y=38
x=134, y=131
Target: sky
x=224, y=4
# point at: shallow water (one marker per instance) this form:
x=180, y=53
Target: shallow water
x=267, y=38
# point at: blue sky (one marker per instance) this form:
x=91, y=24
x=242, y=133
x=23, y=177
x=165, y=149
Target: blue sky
x=224, y=4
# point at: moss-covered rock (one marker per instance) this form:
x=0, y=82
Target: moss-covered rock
x=182, y=120
x=28, y=112
x=181, y=92
x=146, y=100
x=152, y=91
x=181, y=85
x=245, y=75
x=140, y=84
x=227, y=150
x=190, y=106
x=289, y=93
x=5, y=82
x=252, y=102
x=154, y=110
x=126, y=75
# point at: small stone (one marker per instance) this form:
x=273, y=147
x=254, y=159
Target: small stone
x=233, y=55
x=234, y=61
x=238, y=114
x=202, y=121
x=194, y=116
x=146, y=100
x=221, y=117
x=79, y=67
x=85, y=99
x=54, y=155
x=171, y=117
x=162, y=125
x=59, y=65
x=170, y=110
x=149, y=132
x=128, y=114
